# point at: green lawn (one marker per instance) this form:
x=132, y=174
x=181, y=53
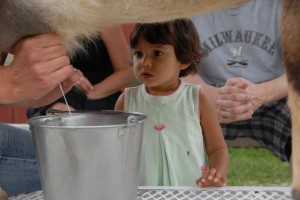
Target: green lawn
x=251, y=166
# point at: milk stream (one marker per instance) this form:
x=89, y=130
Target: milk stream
x=62, y=91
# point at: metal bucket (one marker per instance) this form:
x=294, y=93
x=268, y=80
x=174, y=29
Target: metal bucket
x=89, y=155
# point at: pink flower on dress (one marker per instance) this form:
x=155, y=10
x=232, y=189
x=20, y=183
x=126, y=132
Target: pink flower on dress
x=203, y=168
x=159, y=127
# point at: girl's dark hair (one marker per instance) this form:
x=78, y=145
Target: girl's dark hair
x=180, y=33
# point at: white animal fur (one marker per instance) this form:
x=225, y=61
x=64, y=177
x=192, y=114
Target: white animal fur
x=74, y=18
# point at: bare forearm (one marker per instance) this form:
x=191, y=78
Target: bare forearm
x=112, y=84
x=220, y=161
x=276, y=89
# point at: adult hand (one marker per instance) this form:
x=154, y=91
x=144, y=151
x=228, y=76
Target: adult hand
x=234, y=100
x=54, y=94
x=84, y=85
x=40, y=63
x=258, y=93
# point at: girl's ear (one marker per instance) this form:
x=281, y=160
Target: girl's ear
x=184, y=66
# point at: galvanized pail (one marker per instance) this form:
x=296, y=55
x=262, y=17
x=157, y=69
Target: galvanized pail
x=89, y=155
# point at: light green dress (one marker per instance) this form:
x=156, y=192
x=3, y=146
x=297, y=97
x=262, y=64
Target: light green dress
x=173, y=149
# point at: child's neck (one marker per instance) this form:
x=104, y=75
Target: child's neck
x=163, y=91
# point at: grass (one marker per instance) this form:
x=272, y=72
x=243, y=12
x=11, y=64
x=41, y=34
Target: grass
x=250, y=166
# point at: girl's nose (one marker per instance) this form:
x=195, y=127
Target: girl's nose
x=146, y=61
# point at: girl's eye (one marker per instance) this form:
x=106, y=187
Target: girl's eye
x=157, y=53
x=138, y=54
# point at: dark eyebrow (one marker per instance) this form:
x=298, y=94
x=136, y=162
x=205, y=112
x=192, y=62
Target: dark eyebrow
x=161, y=46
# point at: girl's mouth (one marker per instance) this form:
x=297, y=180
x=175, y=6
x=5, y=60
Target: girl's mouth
x=146, y=75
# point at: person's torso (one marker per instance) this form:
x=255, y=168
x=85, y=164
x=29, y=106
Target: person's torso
x=173, y=149
x=241, y=42
x=95, y=62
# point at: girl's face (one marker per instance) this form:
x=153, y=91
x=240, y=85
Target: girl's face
x=157, y=67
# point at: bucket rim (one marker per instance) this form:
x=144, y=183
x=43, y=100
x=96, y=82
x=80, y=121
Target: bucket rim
x=66, y=114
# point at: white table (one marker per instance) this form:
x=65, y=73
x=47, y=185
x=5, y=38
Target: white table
x=195, y=193
x=191, y=193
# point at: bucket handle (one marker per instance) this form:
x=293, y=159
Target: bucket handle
x=54, y=122
x=128, y=130
x=131, y=121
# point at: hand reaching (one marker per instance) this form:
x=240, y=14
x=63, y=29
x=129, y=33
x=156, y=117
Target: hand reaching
x=210, y=177
x=54, y=94
x=40, y=63
x=83, y=84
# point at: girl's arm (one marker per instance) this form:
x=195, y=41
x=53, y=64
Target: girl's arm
x=120, y=103
x=216, y=147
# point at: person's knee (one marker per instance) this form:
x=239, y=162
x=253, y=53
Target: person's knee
x=8, y=131
x=4, y=138
x=4, y=133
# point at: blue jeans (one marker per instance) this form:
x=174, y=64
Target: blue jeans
x=18, y=165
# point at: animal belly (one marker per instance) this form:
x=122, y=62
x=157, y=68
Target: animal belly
x=81, y=18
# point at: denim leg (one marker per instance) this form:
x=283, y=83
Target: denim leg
x=18, y=165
